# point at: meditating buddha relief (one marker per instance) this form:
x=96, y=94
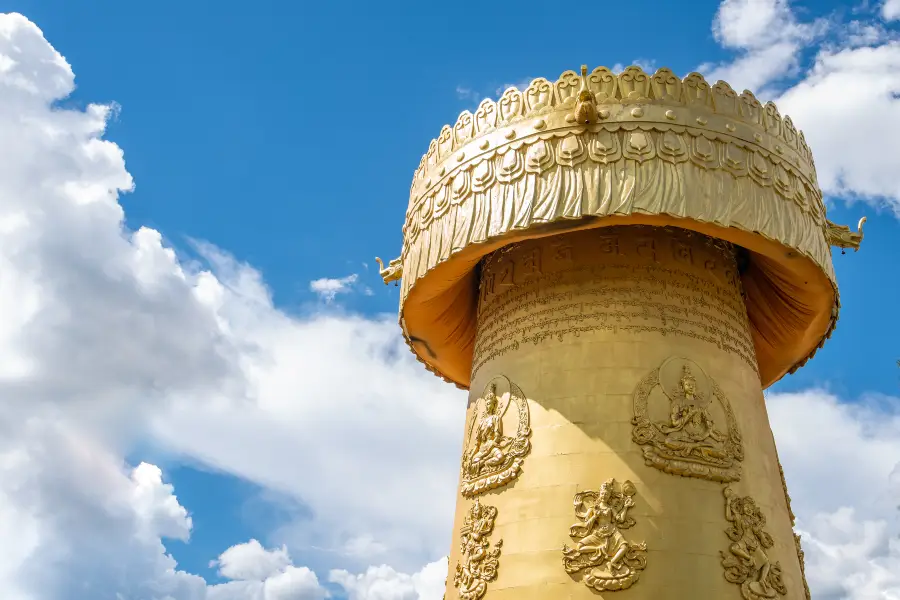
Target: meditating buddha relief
x=685, y=424
x=496, y=438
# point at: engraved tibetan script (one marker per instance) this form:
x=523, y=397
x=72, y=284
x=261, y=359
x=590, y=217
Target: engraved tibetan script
x=747, y=562
x=492, y=459
x=540, y=292
x=479, y=563
x=610, y=562
x=688, y=441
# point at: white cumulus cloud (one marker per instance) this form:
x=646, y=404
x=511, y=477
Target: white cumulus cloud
x=261, y=574
x=847, y=102
x=766, y=36
x=848, y=106
x=109, y=340
x=384, y=583
x=328, y=288
x=842, y=465
x=251, y=561
x=890, y=10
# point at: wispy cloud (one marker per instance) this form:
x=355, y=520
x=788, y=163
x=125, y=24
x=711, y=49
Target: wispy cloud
x=768, y=39
x=328, y=288
x=124, y=341
x=647, y=64
x=842, y=100
x=521, y=84
x=466, y=93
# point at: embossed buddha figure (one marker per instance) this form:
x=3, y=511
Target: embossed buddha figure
x=488, y=450
x=690, y=430
x=603, y=544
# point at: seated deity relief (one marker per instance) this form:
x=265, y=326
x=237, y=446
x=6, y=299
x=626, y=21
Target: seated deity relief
x=491, y=458
x=747, y=562
x=681, y=429
x=609, y=561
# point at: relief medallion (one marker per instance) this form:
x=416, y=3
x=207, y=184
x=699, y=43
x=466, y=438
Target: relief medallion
x=479, y=563
x=678, y=415
x=609, y=560
x=747, y=562
x=491, y=458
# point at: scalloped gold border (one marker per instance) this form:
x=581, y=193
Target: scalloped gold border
x=638, y=169
x=632, y=95
x=780, y=203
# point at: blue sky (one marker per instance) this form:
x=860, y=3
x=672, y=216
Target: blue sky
x=239, y=123
x=286, y=134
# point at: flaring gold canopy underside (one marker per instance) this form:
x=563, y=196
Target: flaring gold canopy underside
x=586, y=178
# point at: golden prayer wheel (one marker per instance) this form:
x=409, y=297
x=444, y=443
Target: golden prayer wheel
x=617, y=265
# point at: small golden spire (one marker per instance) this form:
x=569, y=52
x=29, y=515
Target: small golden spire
x=584, y=93
x=585, y=111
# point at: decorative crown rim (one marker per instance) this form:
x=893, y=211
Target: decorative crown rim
x=659, y=98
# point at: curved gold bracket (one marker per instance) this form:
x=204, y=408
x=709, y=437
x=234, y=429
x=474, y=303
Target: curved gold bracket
x=842, y=237
x=393, y=272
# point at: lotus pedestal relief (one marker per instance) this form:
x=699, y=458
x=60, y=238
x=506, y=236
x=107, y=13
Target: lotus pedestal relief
x=492, y=458
x=685, y=424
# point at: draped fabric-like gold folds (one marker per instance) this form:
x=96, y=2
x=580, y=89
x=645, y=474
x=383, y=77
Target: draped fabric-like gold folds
x=547, y=176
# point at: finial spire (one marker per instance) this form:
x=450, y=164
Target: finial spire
x=585, y=111
x=584, y=85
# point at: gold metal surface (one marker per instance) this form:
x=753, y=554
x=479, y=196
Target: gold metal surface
x=842, y=237
x=606, y=149
x=585, y=103
x=747, y=561
x=607, y=559
x=393, y=272
x=643, y=254
x=688, y=442
x=479, y=563
x=800, y=555
x=490, y=458
x=608, y=333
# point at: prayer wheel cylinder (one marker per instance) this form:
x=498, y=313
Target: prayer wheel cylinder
x=601, y=331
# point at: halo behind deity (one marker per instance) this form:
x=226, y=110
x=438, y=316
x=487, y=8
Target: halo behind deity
x=503, y=390
x=670, y=373
x=516, y=435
